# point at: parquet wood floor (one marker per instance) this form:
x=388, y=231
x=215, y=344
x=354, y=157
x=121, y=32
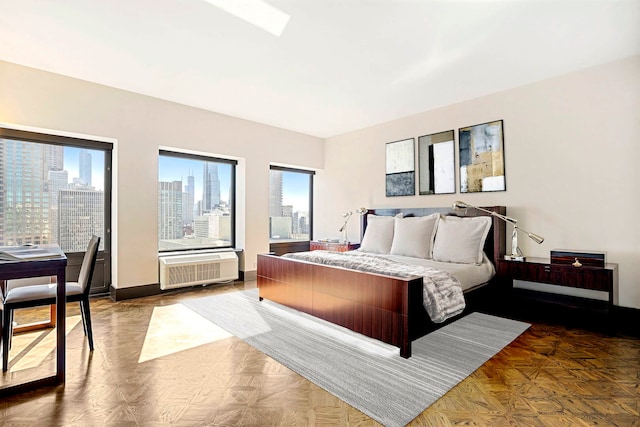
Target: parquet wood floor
x=155, y=364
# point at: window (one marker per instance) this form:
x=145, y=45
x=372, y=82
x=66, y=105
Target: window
x=52, y=192
x=290, y=205
x=196, y=202
x=57, y=189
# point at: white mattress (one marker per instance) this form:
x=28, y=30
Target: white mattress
x=469, y=275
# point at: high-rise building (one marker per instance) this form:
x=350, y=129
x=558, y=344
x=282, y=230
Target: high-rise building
x=54, y=158
x=211, y=187
x=275, y=193
x=24, y=204
x=84, y=166
x=81, y=214
x=170, y=210
x=213, y=227
x=58, y=181
x=303, y=224
x=300, y=224
x=188, y=200
x=280, y=227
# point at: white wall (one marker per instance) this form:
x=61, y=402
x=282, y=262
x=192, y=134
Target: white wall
x=572, y=161
x=140, y=125
x=571, y=148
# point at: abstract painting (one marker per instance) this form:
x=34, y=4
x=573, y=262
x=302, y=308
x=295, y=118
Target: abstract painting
x=400, y=171
x=436, y=163
x=482, y=158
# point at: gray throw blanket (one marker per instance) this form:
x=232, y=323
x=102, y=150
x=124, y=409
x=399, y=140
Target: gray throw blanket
x=441, y=291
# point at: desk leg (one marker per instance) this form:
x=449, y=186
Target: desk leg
x=61, y=311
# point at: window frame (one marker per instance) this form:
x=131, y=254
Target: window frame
x=102, y=273
x=69, y=141
x=232, y=195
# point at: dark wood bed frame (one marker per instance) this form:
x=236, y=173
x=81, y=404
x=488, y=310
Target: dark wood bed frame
x=382, y=307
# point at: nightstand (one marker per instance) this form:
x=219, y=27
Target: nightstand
x=540, y=270
x=333, y=246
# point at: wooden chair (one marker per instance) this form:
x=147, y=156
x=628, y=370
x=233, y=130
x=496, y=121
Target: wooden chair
x=45, y=294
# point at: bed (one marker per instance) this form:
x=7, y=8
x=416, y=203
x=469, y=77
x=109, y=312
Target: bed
x=385, y=306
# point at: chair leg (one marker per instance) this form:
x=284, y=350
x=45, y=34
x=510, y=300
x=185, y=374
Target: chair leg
x=84, y=320
x=84, y=307
x=10, y=328
x=6, y=333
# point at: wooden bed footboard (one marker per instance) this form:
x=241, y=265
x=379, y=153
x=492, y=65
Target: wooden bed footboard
x=386, y=308
x=382, y=307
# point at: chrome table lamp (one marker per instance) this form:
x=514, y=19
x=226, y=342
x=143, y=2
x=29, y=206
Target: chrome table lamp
x=343, y=229
x=346, y=217
x=516, y=253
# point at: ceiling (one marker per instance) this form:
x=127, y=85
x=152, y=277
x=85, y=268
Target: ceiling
x=338, y=65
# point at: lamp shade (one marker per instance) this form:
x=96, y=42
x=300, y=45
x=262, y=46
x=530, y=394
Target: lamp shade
x=536, y=238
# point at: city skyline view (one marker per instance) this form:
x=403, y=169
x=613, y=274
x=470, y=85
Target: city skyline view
x=194, y=209
x=295, y=185
x=51, y=194
x=289, y=205
x=55, y=193
x=179, y=169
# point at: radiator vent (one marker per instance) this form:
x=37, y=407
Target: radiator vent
x=197, y=269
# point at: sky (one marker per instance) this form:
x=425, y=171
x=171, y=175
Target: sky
x=295, y=190
x=71, y=160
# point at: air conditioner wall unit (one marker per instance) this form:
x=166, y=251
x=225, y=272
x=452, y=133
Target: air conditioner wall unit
x=177, y=271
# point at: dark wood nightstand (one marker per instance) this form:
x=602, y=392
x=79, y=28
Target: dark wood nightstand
x=540, y=270
x=333, y=246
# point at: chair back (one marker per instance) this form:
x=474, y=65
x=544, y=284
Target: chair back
x=88, y=264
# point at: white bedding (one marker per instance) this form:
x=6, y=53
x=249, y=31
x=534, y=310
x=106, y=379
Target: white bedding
x=446, y=243
x=469, y=275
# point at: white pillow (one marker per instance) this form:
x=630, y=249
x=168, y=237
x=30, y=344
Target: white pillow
x=413, y=236
x=461, y=240
x=379, y=234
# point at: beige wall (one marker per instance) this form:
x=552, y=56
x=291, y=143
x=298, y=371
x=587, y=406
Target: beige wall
x=570, y=145
x=140, y=125
x=572, y=165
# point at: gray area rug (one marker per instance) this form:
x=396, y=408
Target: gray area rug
x=367, y=374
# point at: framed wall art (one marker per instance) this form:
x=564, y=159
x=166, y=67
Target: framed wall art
x=436, y=163
x=482, y=158
x=400, y=168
